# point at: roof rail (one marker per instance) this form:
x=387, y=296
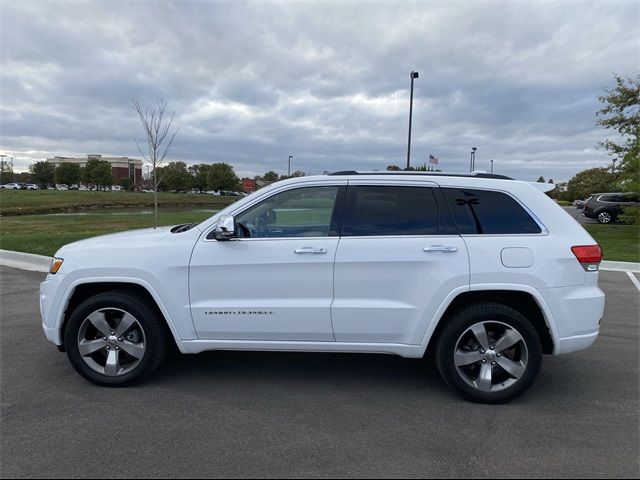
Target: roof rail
x=435, y=174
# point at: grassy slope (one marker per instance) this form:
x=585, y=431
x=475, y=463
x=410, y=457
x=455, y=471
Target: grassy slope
x=46, y=234
x=619, y=242
x=26, y=202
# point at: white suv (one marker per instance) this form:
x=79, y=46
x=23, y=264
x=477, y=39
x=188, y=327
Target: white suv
x=486, y=272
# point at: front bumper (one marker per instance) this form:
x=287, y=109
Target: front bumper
x=49, y=308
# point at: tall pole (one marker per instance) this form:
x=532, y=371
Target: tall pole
x=414, y=75
x=289, y=169
x=472, y=162
x=491, y=166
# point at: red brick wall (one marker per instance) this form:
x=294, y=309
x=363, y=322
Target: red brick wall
x=120, y=173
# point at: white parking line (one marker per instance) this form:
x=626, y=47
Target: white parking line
x=634, y=280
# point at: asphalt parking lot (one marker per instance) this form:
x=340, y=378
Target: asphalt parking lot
x=273, y=415
x=577, y=215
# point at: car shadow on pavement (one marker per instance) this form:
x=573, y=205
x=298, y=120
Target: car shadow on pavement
x=301, y=368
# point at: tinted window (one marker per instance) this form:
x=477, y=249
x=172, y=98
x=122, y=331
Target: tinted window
x=302, y=212
x=622, y=198
x=491, y=213
x=381, y=210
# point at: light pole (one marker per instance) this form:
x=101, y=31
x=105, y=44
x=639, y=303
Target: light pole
x=289, y=169
x=472, y=163
x=491, y=166
x=414, y=75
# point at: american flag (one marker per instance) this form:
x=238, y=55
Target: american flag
x=433, y=160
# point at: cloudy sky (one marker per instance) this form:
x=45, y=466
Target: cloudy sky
x=326, y=82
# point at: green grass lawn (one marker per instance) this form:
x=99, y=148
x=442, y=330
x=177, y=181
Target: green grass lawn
x=29, y=202
x=44, y=234
x=619, y=242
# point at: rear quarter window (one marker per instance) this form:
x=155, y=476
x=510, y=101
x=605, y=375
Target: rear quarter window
x=488, y=212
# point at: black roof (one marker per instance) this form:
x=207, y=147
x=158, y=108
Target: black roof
x=435, y=174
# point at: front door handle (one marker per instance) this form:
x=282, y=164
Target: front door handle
x=441, y=248
x=310, y=251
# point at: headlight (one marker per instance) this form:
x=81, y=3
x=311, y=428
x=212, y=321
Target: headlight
x=56, y=263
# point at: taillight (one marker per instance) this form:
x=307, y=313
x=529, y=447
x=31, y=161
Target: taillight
x=589, y=256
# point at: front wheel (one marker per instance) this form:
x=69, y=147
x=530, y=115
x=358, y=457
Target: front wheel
x=605, y=217
x=489, y=353
x=115, y=339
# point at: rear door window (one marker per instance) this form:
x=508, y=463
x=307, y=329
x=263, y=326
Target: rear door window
x=488, y=212
x=390, y=210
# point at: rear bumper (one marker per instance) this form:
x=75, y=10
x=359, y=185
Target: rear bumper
x=575, y=343
x=577, y=313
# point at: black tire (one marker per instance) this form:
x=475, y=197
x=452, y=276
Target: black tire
x=149, y=320
x=495, y=317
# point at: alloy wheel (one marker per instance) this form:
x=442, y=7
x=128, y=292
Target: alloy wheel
x=491, y=356
x=604, y=217
x=111, y=342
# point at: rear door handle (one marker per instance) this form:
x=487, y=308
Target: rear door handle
x=441, y=248
x=310, y=251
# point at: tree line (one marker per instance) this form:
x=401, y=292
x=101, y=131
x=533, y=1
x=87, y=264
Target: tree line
x=95, y=172
x=175, y=176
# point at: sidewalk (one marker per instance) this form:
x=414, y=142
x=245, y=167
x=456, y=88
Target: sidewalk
x=40, y=263
x=25, y=261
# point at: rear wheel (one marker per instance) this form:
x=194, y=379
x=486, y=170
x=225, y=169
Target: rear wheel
x=115, y=339
x=489, y=353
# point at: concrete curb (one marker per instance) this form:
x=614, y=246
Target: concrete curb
x=25, y=261
x=620, y=266
x=40, y=263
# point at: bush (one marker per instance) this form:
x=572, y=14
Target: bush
x=630, y=215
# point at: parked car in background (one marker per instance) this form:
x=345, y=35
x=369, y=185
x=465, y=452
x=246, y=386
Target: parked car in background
x=31, y=186
x=61, y=186
x=607, y=207
x=11, y=186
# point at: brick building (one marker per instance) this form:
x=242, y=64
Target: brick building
x=121, y=167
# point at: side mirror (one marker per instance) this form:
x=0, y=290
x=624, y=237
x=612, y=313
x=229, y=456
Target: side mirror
x=225, y=228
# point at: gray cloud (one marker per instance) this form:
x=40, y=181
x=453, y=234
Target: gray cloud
x=252, y=83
